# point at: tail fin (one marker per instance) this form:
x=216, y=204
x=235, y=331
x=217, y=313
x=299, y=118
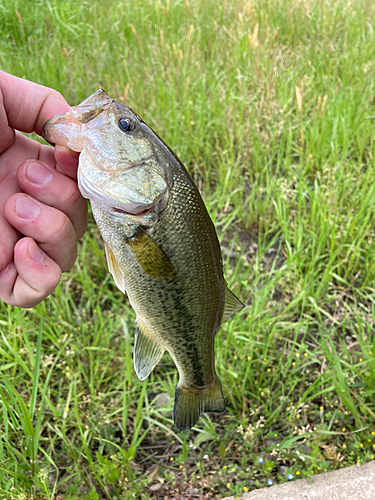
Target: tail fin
x=190, y=403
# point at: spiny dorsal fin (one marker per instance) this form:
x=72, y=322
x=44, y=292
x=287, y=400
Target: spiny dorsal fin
x=147, y=353
x=114, y=268
x=151, y=257
x=232, y=304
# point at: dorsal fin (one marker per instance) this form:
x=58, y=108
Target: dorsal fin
x=232, y=304
x=147, y=353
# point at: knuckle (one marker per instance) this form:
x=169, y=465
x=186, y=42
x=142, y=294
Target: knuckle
x=63, y=230
x=77, y=210
x=46, y=286
x=65, y=242
x=82, y=226
x=34, y=295
x=74, y=197
x=50, y=284
x=29, y=303
x=70, y=259
x=56, y=94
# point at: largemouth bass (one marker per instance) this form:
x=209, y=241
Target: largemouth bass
x=160, y=243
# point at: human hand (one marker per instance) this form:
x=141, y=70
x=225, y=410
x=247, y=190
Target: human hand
x=39, y=197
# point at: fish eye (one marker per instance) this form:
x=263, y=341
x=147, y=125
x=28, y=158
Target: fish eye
x=126, y=124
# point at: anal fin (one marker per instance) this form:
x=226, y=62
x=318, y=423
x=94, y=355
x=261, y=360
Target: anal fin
x=232, y=304
x=189, y=403
x=147, y=353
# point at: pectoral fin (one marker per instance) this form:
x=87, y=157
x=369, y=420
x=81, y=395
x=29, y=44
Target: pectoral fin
x=151, y=257
x=114, y=268
x=147, y=353
x=232, y=304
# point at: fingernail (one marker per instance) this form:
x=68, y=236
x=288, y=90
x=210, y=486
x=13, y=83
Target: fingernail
x=26, y=209
x=35, y=253
x=38, y=174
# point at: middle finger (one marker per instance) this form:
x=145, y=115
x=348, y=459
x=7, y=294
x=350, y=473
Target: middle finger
x=49, y=227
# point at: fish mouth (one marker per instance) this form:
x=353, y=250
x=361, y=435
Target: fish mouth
x=138, y=214
x=45, y=135
x=67, y=129
x=63, y=130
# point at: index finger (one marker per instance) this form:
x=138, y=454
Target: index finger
x=28, y=105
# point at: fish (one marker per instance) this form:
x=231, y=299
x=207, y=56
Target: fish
x=160, y=243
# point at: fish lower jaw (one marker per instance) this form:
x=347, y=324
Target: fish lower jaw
x=107, y=203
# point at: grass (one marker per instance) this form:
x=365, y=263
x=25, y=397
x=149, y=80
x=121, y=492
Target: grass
x=271, y=107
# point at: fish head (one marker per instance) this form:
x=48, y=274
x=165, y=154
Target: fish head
x=102, y=125
x=118, y=165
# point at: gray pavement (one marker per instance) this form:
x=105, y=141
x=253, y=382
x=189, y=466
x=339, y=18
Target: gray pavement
x=354, y=483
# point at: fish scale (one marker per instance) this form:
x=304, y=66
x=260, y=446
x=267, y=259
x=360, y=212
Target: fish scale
x=178, y=313
x=161, y=245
